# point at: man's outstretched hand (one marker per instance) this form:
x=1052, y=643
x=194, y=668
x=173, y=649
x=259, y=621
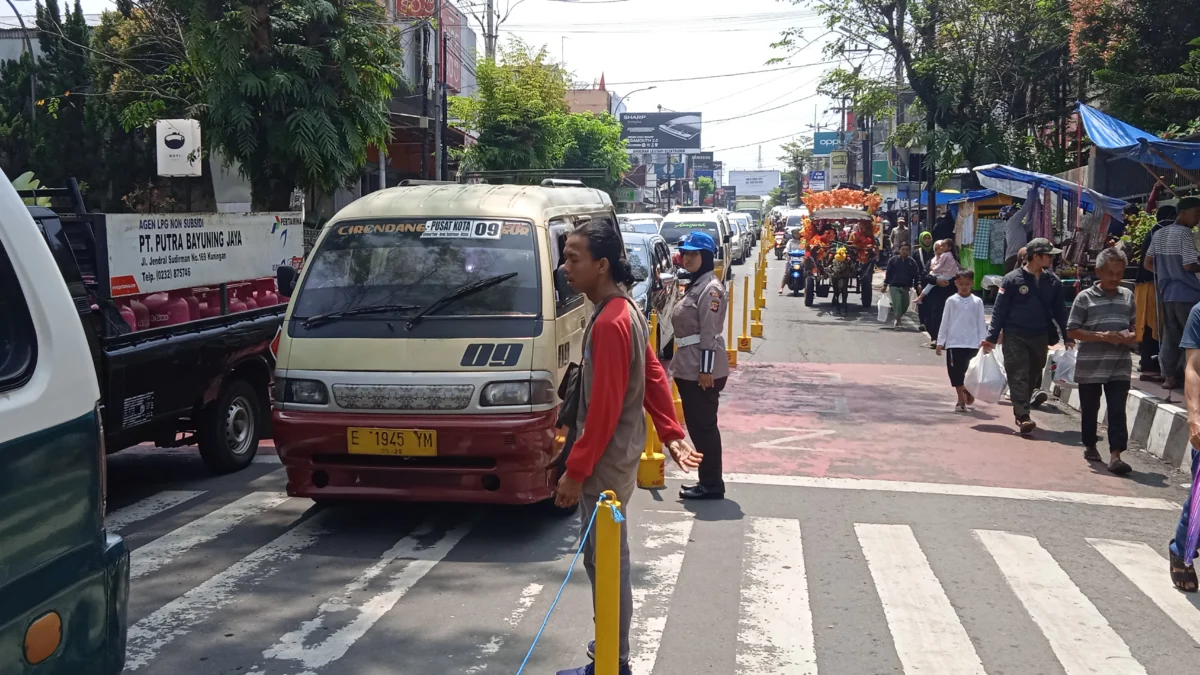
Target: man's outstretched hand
x=684, y=454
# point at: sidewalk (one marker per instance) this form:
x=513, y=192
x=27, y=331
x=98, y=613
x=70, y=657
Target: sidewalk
x=1158, y=426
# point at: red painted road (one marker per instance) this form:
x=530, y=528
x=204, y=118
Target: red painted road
x=893, y=423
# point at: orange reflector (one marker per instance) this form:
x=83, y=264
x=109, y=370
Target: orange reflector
x=42, y=638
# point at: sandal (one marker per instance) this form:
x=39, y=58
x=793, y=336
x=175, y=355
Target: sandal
x=1091, y=455
x=1182, y=576
x=1119, y=467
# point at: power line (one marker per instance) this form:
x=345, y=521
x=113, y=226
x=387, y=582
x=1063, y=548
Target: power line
x=759, y=112
x=713, y=77
x=748, y=145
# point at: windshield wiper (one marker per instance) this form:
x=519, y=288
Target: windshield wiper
x=319, y=319
x=457, y=294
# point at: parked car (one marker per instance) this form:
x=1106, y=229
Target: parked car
x=657, y=282
x=639, y=226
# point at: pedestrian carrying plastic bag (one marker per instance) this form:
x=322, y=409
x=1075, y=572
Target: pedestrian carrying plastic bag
x=1062, y=368
x=986, y=379
x=884, y=306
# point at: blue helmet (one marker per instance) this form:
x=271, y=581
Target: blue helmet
x=697, y=241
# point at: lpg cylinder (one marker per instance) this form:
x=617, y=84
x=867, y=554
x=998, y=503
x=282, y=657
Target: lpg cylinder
x=235, y=303
x=157, y=304
x=210, y=303
x=141, y=314
x=129, y=316
x=177, y=309
x=245, y=293
x=193, y=304
x=266, y=292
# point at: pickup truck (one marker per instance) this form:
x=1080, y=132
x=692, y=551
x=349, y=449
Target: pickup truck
x=206, y=381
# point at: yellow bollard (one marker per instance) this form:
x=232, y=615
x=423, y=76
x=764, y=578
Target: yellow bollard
x=743, y=343
x=652, y=469
x=730, y=352
x=675, y=398
x=608, y=585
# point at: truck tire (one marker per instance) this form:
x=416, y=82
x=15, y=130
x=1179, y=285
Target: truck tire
x=231, y=427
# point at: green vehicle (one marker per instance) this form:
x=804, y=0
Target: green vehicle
x=64, y=581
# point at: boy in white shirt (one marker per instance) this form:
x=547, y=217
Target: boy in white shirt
x=963, y=329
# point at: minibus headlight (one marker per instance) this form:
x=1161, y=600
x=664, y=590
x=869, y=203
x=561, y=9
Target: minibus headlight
x=310, y=392
x=505, y=393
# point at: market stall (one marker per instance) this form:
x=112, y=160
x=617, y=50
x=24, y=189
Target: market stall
x=979, y=233
x=1072, y=216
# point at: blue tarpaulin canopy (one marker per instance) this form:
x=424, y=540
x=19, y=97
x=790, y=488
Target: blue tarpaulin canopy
x=1124, y=140
x=1016, y=183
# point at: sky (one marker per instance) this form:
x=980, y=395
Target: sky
x=641, y=43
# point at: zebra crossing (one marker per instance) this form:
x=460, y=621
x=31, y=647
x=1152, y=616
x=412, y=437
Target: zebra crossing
x=268, y=585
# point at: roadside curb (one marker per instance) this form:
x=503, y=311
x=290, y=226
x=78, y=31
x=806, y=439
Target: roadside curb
x=1159, y=427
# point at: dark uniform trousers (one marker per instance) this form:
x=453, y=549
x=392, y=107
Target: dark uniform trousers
x=700, y=415
x=1024, y=361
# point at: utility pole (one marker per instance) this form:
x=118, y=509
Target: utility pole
x=489, y=38
x=437, y=90
x=390, y=10
x=760, y=157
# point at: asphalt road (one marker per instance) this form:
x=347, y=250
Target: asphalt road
x=868, y=529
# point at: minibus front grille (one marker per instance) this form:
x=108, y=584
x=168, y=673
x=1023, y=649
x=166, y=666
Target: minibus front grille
x=397, y=462
x=404, y=396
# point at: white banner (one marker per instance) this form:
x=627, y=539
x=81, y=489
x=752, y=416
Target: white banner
x=754, y=183
x=150, y=253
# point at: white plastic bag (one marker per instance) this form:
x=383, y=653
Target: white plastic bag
x=1062, y=368
x=986, y=379
x=884, y=306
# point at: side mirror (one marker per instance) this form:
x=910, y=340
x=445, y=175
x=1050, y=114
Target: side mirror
x=562, y=289
x=728, y=238
x=666, y=278
x=285, y=279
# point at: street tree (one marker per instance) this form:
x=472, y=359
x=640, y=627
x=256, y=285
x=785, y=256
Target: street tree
x=991, y=77
x=704, y=186
x=594, y=142
x=519, y=111
x=1134, y=53
x=294, y=90
x=798, y=157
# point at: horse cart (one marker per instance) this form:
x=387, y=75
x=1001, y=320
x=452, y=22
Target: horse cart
x=841, y=255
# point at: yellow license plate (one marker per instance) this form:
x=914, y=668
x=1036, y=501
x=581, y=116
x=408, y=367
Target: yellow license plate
x=406, y=442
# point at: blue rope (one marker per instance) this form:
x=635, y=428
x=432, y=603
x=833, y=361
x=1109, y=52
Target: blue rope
x=571, y=569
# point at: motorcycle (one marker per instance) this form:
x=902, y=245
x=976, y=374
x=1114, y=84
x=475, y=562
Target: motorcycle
x=780, y=241
x=795, y=280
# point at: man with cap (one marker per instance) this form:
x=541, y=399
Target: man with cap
x=700, y=366
x=1029, y=304
x=1173, y=260
x=900, y=235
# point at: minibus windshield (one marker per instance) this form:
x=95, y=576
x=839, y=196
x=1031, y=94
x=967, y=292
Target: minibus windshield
x=673, y=231
x=394, y=269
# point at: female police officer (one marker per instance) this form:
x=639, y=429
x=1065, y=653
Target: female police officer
x=700, y=366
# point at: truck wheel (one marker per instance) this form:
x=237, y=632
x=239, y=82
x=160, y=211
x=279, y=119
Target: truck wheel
x=230, y=428
x=810, y=290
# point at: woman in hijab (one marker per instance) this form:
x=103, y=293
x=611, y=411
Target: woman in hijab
x=924, y=256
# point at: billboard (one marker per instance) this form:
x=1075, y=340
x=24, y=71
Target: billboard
x=661, y=132
x=664, y=171
x=702, y=161
x=755, y=183
x=825, y=142
x=816, y=181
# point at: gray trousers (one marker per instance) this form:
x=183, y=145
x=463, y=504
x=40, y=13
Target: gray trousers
x=587, y=504
x=1024, y=360
x=1170, y=356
